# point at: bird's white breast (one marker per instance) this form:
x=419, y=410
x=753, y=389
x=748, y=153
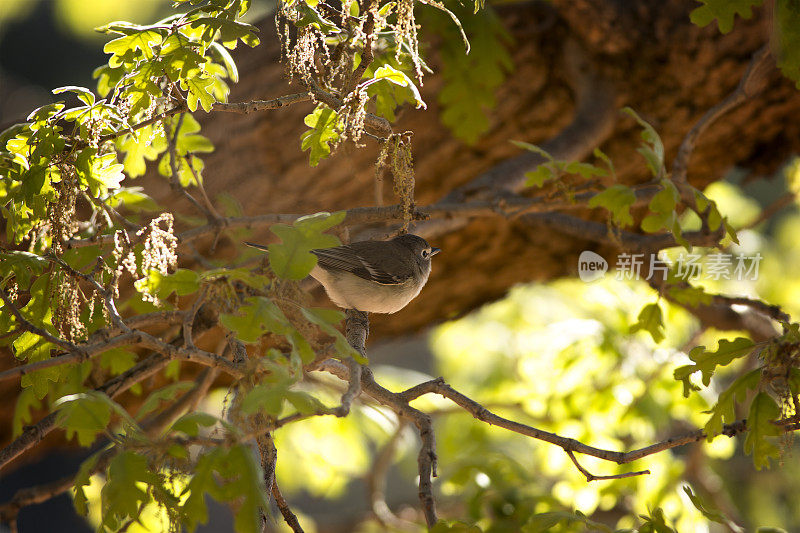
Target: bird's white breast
x=352, y=292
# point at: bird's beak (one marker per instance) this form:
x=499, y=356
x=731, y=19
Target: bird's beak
x=259, y=246
x=435, y=251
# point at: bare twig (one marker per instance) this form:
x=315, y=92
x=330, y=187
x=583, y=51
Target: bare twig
x=752, y=82
x=783, y=201
x=367, y=56
x=508, y=207
x=33, y=434
x=287, y=513
x=426, y=460
x=261, y=105
x=438, y=386
x=190, y=316
x=269, y=457
x=591, y=477
x=76, y=355
x=376, y=483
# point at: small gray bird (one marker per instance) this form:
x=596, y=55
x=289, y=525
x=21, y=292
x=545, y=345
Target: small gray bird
x=373, y=276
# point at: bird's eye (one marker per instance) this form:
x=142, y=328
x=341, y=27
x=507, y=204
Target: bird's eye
x=425, y=253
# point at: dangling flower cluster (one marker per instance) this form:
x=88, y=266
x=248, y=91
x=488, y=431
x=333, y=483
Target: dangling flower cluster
x=396, y=155
x=158, y=254
x=353, y=112
x=61, y=212
x=159, y=248
x=406, y=32
x=308, y=56
x=67, y=310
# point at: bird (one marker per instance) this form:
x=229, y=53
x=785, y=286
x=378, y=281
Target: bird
x=373, y=276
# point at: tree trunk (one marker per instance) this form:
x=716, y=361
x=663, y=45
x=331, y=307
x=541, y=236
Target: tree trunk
x=657, y=62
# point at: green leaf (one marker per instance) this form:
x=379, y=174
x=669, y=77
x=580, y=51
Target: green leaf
x=689, y=295
x=655, y=523
x=652, y=149
x=705, y=508
x=266, y=398
x=202, y=482
x=248, y=488
x=84, y=94
x=292, y=258
x=83, y=416
x=471, y=80
x=454, y=526
x=258, y=316
x=22, y=265
x=124, y=490
x=83, y=479
x=537, y=178
x=118, y=360
x=226, y=60
x=182, y=282
x=787, y=28
x=650, y=319
x=311, y=17
x=134, y=200
x=665, y=200
x=541, y=522
x=326, y=319
x=190, y=423
x=269, y=398
x=198, y=88
x=143, y=40
x=398, y=77
x=240, y=274
x=141, y=145
x=32, y=349
x=325, y=129
x=99, y=173
x=162, y=395
x=724, y=11
x=618, y=200
x=26, y=400
x=723, y=411
x=763, y=412
x=707, y=362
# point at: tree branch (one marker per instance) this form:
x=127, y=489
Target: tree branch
x=376, y=483
x=29, y=326
x=283, y=506
x=752, y=82
x=33, y=434
x=511, y=206
x=152, y=426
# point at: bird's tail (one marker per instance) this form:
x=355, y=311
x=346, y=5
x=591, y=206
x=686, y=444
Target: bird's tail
x=259, y=246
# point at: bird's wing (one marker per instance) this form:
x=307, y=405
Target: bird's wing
x=348, y=259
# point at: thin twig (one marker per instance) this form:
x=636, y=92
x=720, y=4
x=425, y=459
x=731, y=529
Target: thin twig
x=591, y=477
x=78, y=354
x=283, y=506
x=105, y=292
x=426, y=460
x=376, y=483
x=33, y=434
x=751, y=83
x=188, y=320
x=781, y=202
x=36, y=330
